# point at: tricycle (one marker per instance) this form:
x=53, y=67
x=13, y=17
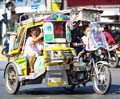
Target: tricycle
x=58, y=65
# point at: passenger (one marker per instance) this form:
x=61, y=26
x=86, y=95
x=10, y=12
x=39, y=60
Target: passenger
x=77, y=33
x=109, y=37
x=84, y=40
x=33, y=47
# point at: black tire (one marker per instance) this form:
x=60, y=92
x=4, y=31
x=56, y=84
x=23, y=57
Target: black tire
x=11, y=79
x=102, y=84
x=114, y=61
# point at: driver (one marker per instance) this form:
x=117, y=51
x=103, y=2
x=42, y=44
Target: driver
x=33, y=47
x=77, y=33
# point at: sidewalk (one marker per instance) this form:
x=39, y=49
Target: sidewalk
x=1, y=56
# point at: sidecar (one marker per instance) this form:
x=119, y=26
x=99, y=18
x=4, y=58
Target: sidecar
x=50, y=69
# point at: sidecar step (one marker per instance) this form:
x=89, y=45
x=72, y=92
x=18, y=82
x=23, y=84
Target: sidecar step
x=32, y=76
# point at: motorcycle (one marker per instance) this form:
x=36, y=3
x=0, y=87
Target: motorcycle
x=92, y=69
x=112, y=54
x=109, y=55
x=112, y=59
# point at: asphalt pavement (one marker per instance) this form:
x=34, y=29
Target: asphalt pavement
x=36, y=92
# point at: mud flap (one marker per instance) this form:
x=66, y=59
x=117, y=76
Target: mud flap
x=56, y=78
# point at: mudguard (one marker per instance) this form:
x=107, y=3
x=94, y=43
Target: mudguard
x=103, y=62
x=17, y=67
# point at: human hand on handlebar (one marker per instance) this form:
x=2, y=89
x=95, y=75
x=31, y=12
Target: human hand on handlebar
x=75, y=44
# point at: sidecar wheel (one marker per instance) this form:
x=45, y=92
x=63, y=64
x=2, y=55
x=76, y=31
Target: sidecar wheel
x=11, y=79
x=102, y=83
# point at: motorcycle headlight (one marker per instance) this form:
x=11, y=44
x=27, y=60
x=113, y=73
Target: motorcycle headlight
x=99, y=52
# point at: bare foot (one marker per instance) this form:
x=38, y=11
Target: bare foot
x=32, y=71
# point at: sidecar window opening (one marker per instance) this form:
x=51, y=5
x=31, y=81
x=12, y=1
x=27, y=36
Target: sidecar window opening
x=28, y=33
x=16, y=45
x=20, y=35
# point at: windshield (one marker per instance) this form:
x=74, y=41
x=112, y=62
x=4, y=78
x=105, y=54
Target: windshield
x=96, y=38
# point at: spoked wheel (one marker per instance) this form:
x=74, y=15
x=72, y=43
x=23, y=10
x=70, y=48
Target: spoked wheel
x=114, y=60
x=11, y=79
x=102, y=82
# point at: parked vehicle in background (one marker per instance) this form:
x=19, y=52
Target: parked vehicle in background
x=5, y=44
x=113, y=28
x=112, y=34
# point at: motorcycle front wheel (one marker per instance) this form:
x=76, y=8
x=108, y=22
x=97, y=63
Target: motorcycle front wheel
x=102, y=81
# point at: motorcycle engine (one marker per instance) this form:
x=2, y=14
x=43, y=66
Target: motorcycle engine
x=81, y=76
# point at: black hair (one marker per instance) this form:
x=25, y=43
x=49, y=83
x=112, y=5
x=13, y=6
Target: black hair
x=34, y=28
x=85, y=27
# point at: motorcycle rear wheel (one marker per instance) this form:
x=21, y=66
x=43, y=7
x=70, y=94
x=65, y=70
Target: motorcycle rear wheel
x=102, y=83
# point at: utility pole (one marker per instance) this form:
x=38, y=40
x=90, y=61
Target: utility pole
x=49, y=6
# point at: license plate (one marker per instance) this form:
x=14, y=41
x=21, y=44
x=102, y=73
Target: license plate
x=55, y=83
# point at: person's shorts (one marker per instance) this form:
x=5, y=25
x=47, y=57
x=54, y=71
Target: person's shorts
x=26, y=57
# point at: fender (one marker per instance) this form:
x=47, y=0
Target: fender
x=17, y=67
x=103, y=62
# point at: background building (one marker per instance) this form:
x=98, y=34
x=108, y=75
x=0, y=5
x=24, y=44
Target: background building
x=10, y=10
x=111, y=8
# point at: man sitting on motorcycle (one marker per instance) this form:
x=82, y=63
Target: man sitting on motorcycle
x=33, y=47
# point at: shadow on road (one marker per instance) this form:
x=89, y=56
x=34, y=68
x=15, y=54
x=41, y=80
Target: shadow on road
x=57, y=91
x=1, y=69
x=114, y=90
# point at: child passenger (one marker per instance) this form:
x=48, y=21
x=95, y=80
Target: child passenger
x=33, y=47
x=84, y=40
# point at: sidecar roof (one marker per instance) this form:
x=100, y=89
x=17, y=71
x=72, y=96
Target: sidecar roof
x=86, y=14
x=39, y=16
x=43, y=16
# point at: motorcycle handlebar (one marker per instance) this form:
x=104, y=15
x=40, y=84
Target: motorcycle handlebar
x=113, y=47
